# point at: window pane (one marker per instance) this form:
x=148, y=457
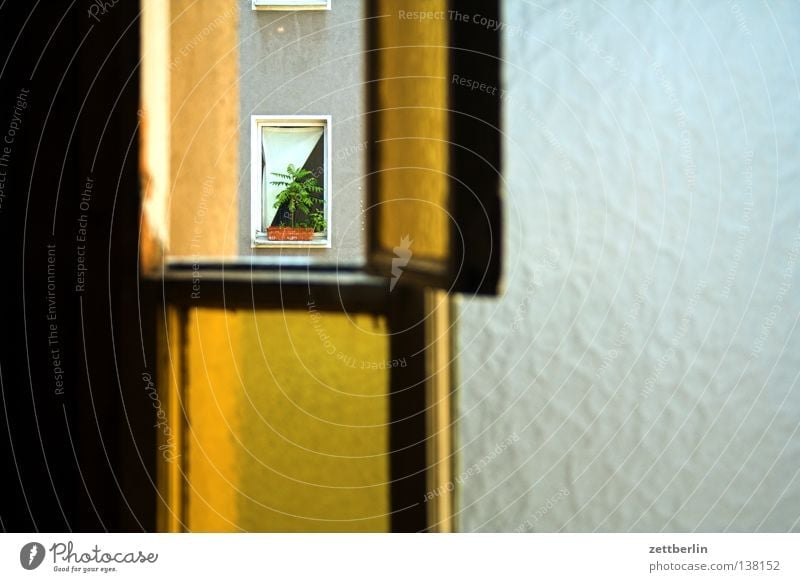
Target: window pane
x=434, y=169
x=287, y=421
x=410, y=184
x=291, y=195
x=300, y=147
x=209, y=68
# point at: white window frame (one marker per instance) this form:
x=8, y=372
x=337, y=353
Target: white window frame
x=291, y=4
x=258, y=238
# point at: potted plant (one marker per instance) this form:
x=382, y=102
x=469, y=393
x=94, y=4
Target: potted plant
x=298, y=194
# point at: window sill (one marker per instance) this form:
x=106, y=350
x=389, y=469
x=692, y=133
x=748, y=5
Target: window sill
x=290, y=6
x=260, y=241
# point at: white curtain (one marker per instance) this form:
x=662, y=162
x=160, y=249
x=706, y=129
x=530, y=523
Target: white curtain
x=283, y=146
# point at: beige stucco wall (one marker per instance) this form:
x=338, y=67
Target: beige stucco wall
x=204, y=100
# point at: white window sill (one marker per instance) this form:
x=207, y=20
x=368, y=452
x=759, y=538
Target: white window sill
x=260, y=241
x=291, y=6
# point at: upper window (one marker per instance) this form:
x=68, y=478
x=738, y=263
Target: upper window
x=291, y=4
x=290, y=181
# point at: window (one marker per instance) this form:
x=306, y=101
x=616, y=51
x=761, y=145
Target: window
x=297, y=439
x=260, y=343
x=434, y=170
x=291, y=4
x=290, y=181
x=305, y=401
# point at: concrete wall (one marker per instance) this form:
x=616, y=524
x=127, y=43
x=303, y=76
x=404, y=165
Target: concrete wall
x=641, y=370
x=293, y=63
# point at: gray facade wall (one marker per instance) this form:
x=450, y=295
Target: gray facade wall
x=308, y=63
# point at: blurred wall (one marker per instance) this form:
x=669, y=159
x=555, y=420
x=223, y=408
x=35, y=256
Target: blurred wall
x=640, y=373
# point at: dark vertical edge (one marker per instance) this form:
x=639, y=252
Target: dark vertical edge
x=115, y=415
x=165, y=374
x=183, y=383
x=138, y=443
x=132, y=299
x=407, y=405
x=41, y=486
x=475, y=153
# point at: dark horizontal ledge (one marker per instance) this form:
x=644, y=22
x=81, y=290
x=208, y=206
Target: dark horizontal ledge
x=251, y=286
x=257, y=266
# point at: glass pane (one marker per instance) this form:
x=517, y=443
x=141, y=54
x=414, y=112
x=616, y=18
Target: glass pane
x=287, y=418
x=291, y=205
x=410, y=187
x=210, y=67
x=284, y=148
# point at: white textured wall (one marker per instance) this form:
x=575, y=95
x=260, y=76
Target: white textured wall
x=646, y=353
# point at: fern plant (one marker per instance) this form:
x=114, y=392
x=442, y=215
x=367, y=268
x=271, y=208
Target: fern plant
x=298, y=188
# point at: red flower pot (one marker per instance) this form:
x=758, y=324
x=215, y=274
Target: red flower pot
x=289, y=233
